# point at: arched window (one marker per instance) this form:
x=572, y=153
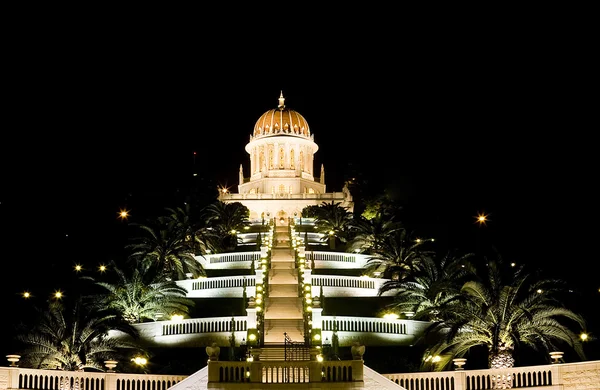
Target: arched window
x=261, y=160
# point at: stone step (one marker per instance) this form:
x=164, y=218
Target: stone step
x=283, y=308
x=283, y=265
x=283, y=290
x=286, y=325
x=285, y=276
x=280, y=254
x=275, y=329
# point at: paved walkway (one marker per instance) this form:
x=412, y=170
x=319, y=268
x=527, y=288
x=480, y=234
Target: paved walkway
x=283, y=307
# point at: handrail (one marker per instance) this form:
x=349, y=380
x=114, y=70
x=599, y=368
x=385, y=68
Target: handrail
x=294, y=350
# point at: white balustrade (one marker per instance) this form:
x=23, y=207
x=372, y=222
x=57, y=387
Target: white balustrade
x=232, y=260
x=33, y=379
x=336, y=260
x=219, y=287
x=347, y=286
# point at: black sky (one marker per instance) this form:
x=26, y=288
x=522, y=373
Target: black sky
x=504, y=127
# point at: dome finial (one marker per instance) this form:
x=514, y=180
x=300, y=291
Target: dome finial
x=281, y=101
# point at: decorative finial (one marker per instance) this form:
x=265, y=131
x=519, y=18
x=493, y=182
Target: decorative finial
x=281, y=101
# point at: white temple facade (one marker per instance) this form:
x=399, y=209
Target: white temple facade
x=281, y=177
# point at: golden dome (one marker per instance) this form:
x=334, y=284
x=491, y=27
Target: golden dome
x=281, y=121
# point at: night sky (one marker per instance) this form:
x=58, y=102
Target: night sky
x=502, y=130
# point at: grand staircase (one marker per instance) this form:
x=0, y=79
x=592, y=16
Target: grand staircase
x=283, y=306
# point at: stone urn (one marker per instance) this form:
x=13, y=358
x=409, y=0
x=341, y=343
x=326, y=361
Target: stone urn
x=213, y=352
x=357, y=350
x=13, y=359
x=110, y=365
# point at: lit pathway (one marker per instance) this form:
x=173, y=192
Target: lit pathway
x=283, y=307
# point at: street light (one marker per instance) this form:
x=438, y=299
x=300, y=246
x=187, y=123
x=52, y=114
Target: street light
x=481, y=218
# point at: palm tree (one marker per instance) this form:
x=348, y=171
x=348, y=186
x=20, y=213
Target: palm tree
x=200, y=239
x=369, y=234
x=166, y=247
x=226, y=219
x=398, y=256
x=503, y=314
x=142, y=296
x=74, y=338
x=333, y=221
x=434, y=286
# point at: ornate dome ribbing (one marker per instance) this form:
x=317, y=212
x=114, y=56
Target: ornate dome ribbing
x=281, y=121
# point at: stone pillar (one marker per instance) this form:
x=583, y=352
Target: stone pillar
x=13, y=377
x=315, y=367
x=460, y=380
x=259, y=276
x=307, y=276
x=213, y=371
x=357, y=370
x=251, y=311
x=256, y=366
x=317, y=320
x=110, y=381
x=264, y=251
x=158, y=328
x=357, y=350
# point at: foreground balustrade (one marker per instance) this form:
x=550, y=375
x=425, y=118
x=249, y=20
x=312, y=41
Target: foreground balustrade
x=575, y=376
x=280, y=372
x=285, y=371
x=349, y=374
x=31, y=379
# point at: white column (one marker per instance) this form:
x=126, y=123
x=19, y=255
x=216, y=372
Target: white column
x=251, y=311
x=317, y=318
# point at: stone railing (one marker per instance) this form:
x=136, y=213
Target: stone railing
x=566, y=376
x=203, y=325
x=314, y=370
x=220, y=287
x=348, y=374
x=327, y=196
x=26, y=378
x=333, y=260
x=192, y=331
x=231, y=260
x=367, y=330
x=204, y=331
x=344, y=286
